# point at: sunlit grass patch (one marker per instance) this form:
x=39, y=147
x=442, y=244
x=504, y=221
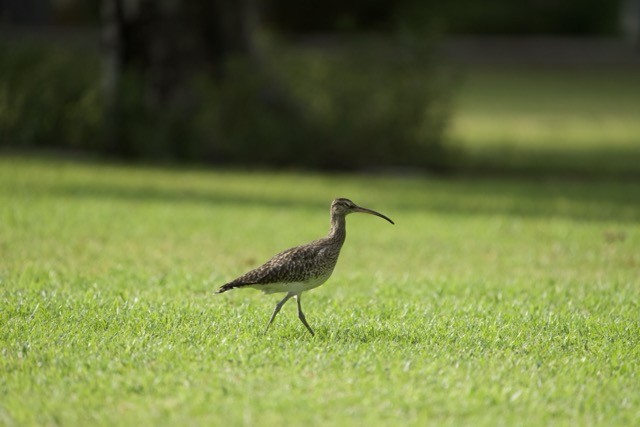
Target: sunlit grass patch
x=489, y=302
x=563, y=119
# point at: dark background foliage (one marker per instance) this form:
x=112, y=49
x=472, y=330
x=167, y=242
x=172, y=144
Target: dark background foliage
x=341, y=85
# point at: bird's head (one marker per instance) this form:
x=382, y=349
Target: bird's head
x=345, y=206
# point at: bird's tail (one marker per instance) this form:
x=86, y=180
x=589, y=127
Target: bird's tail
x=225, y=288
x=229, y=286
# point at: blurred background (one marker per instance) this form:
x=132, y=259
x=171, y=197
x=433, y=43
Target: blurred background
x=535, y=87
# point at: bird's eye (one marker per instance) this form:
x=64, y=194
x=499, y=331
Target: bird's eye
x=347, y=204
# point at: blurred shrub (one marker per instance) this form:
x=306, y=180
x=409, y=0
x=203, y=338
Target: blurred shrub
x=49, y=97
x=376, y=104
x=362, y=104
x=246, y=118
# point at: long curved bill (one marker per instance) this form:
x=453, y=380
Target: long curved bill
x=369, y=211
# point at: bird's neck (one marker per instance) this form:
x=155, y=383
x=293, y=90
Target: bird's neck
x=338, y=229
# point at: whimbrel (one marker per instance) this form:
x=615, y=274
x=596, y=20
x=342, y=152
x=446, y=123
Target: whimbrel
x=303, y=267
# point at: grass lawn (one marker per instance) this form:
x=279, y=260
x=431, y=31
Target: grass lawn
x=490, y=302
x=573, y=119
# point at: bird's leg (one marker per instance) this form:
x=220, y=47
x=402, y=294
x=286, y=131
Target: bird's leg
x=277, y=309
x=301, y=315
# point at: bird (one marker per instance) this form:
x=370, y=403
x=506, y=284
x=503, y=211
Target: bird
x=302, y=268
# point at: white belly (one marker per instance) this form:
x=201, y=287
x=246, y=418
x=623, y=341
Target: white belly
x=295, y=287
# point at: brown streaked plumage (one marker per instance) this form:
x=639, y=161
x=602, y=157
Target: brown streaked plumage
x=304, y=267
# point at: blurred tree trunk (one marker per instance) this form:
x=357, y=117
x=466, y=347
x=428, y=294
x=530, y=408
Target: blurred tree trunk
x=112, y=39
x=164, y=42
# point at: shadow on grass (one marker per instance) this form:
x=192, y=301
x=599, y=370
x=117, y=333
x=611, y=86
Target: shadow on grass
x=369, y=335
x=620, y=163
x=591, y=200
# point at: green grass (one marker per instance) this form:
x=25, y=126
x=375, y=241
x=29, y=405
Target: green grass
x=564, y=119
x=488, y=303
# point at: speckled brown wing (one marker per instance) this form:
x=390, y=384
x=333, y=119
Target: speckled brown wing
x=293, y=265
